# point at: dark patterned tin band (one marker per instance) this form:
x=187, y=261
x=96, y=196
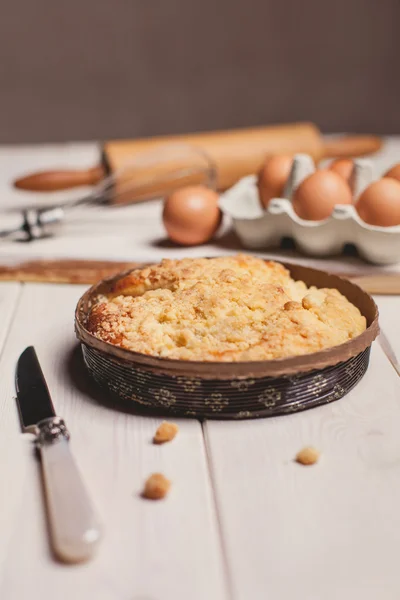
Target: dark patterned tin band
x=224, y=399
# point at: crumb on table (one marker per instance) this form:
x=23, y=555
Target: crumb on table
x=156, y=487
x=165, y=432
x=308, y=456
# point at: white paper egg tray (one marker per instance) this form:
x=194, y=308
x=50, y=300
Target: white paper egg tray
x=259, y=228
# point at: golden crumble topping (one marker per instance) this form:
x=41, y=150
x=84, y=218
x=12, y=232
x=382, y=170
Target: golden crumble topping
x=222, y=309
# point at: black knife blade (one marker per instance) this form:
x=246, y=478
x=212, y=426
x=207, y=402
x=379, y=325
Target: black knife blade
x=33, y=396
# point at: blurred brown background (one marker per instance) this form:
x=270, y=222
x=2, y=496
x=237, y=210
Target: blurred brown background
x=98, y=69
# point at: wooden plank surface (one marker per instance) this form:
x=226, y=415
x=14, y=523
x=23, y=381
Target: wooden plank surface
x=389, y=312
x=288, y=532
x=325, y=525
x=327, y=531
x=152, y=550
x=10, y=478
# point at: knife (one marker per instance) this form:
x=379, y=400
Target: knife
x=74, y=527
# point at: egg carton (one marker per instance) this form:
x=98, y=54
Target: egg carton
x=259, y=228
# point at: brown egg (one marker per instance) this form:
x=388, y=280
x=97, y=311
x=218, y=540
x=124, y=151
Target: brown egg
x=272, y=177
x=394, y=172
x=343, y=167
x=191, y=215
x=317, y=195
x=379, y=203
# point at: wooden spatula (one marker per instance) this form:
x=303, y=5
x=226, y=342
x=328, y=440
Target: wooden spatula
x=91, y=271
x=63, y=271
x=379, y=285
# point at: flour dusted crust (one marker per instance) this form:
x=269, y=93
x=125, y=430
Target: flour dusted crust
x=236, y=308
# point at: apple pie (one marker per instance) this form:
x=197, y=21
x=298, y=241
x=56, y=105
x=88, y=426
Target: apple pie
x=234, y=308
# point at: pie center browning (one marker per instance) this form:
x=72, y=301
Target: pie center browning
x=222, y=309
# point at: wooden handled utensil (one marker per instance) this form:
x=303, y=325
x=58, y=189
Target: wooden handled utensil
x=82, y=271
x=379, y=284
x=234, y=154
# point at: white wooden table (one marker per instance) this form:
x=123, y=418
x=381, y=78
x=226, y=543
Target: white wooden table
x=243, y=521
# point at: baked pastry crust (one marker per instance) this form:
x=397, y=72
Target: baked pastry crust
x=236, y=308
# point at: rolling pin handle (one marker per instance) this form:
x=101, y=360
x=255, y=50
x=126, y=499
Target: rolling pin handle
x=351, y=146
x=51, y=181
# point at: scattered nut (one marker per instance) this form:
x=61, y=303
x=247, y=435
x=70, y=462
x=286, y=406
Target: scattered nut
x=307, y=456
x=156, y=487
x=165, y=433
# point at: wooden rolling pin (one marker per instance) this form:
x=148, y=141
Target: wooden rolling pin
x=80, y=271
x=234, y=153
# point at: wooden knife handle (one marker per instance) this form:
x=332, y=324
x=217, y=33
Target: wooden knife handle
x=51, y=181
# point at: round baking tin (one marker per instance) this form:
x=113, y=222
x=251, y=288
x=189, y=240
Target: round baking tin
x=232, y=390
